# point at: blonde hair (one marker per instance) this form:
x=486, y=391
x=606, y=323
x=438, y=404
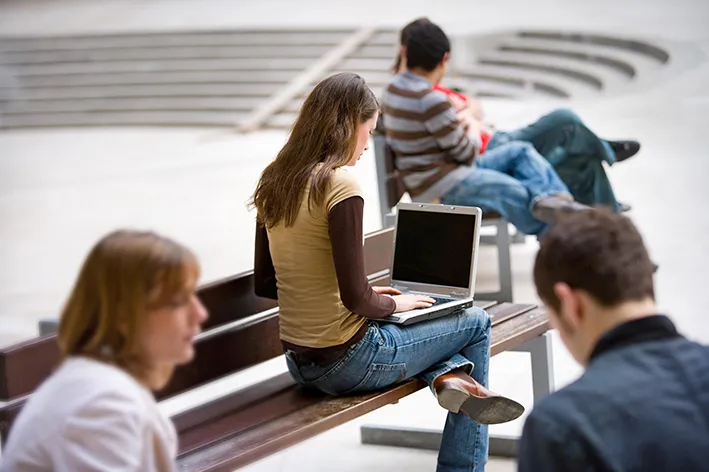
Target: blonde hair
x=126, y=274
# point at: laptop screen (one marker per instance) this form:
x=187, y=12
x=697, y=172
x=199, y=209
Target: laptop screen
x=434, y=248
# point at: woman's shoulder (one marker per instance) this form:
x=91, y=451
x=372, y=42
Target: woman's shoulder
x=82, y=382
x=343, y=185
x=80, y=393
x=342, y=179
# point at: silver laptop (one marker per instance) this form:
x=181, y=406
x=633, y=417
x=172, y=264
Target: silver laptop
x=435, y=254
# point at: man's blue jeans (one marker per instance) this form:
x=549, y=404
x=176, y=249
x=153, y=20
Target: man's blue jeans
x=509, y=180
x=390, y=354
x=575, y=152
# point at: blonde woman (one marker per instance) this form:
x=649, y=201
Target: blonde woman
x=130, y=319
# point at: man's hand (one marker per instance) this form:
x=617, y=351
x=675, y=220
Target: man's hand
x=470, y=124
x=476, y=108
x=458, y=103
x=386, y=291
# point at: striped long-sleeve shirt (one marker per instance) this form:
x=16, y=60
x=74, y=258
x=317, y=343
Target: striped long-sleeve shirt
x=433, y=152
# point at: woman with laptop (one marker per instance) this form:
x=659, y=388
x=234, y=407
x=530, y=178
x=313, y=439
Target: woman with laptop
x=309, y=256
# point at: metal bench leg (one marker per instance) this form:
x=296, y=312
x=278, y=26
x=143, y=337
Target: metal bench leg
x=540, y=352
x=504, y=263
x=48, y=326
x=519, y=237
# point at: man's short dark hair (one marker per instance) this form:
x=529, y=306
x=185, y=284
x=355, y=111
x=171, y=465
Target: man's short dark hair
x=404, y=37
x=426, y=46
x=596, y=251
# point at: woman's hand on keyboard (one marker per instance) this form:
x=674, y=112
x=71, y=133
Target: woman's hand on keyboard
x=412, y=302
x=386, y=290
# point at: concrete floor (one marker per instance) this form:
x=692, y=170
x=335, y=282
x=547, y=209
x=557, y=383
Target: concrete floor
x=60, y=190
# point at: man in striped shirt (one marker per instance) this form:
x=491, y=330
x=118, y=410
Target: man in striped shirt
x=437, y=153
x=577, y=154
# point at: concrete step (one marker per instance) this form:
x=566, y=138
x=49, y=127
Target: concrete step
x=122, y=118
x=376, y=51
x=594, y=74
x=163, y=53
x=147, y=78
x=366, y=65
x=555, y=83
x=374, y=79
x=212, y=38
x=130, y=104
x=482, y=88
x=637, y=46
x=282, y=64
x=281, y=120
x=157, y=90
x=384, y=37
x=615, y=58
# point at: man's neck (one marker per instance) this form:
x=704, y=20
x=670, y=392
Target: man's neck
x=613, y=317
x=428, y=75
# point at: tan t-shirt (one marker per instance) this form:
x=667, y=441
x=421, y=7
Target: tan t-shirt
x=311, y=311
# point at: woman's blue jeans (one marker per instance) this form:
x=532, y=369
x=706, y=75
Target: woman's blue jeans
x=389, y=354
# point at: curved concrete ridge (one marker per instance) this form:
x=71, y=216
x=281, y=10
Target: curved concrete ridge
x=617, y=65
x=523, y=63
x=634, y=45
x=568, y=86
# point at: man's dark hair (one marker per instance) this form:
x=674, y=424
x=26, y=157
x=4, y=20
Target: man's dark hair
x=426, y=46
x=404, y=37
x=596, y=251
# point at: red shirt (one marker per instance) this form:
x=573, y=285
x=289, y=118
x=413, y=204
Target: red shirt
x=484, y=136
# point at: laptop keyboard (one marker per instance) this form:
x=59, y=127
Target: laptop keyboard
x=441, y=300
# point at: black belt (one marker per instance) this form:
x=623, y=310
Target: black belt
x=324, y=356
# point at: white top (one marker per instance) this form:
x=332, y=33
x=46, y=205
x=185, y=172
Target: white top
x=90, y=416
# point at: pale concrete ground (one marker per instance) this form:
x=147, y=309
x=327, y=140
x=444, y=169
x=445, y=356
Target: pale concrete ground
x=60, y=190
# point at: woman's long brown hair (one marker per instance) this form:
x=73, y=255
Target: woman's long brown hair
x=324, y=133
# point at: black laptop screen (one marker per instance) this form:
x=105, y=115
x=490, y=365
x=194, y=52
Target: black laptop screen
x=434, y=248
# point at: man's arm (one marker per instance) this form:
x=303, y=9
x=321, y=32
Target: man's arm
x=451, y=136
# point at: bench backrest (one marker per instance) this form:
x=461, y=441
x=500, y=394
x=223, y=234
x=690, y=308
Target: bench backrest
x=242, y=331
x=390, y=182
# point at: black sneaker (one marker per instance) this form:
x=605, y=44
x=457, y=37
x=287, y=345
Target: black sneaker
x=624, y=149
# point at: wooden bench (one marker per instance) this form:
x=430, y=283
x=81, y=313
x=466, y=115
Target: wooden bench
x=391, y=188
x=264, y=418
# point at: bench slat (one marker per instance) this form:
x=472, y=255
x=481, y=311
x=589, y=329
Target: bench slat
x=259, y=442
x=25, y=365
x=526, y=327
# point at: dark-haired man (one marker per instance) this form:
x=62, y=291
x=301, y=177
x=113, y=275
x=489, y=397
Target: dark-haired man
x=642, y=404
